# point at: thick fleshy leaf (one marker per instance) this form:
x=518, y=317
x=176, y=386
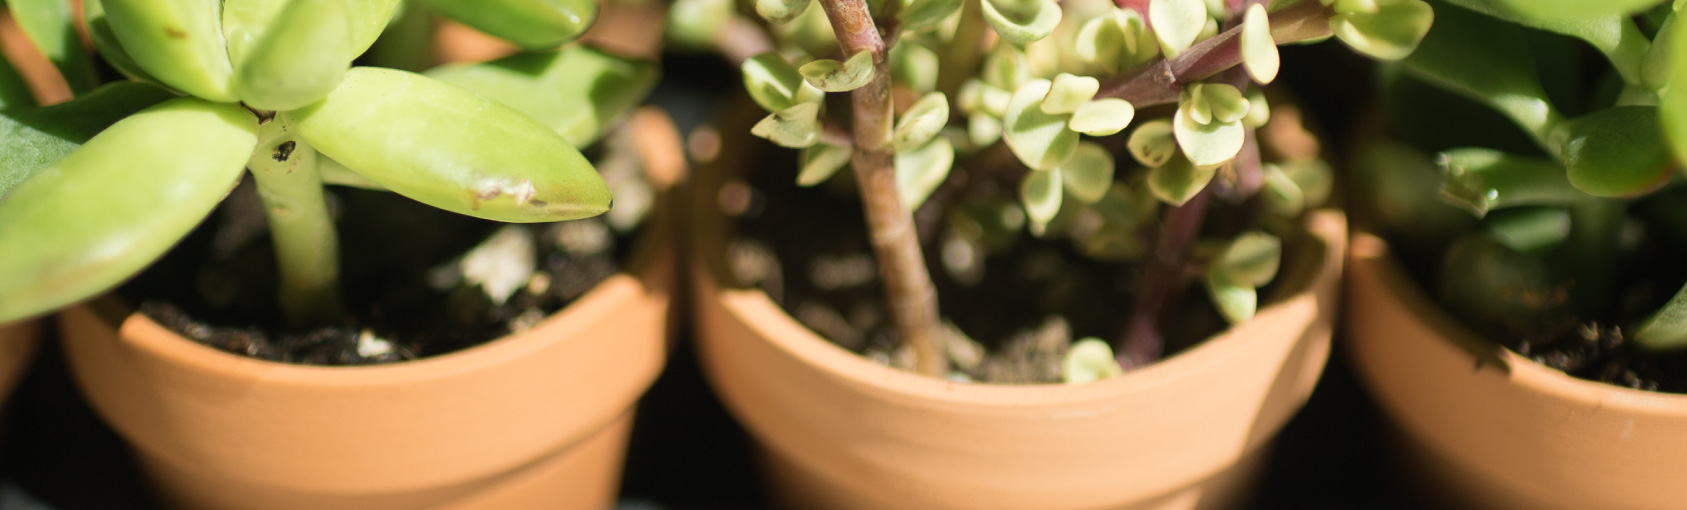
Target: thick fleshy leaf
x=1281, y=194
x=1088, y=360
x=1022, y=22
x=820, y=161
x=1216, y=102
x=1177, y=23
x=298, y=59
x=452, y=149
x=1040, y=192
x=1481, y=180
x=1251, y=259
x=914, y=66
x=1659, y=62
x=1259, y=51
x=1040, y=140
x=48, y=24
x=33, y=138
x=1576, y=9
x=179, y=42
x=833, y=76
x=1089, y=174
x=577, y=90
x=1210, y=144
x=1499, y=290
x=1116, y=41
x=983, y=129
x=697, y=24
x=105, y=42
x=1314, y=177
x=1391, y=33
x=1102, y=117
x=923, y=15
x=1666, y=328
x=154, y=176
x=1177, y=181
x=530, y=24
x=795, y=127
x=919, y=172
x=1259, y=111
x=771, y=81
x=780, y=12
x=1067, y=92
x=1006, y=67
x=1616, y=152
x=1611, y=33
x=1237, y=302
x=1489, y=61
x=1153, y=143
x=246, y=22
x=1672, y=101
x=921, y=122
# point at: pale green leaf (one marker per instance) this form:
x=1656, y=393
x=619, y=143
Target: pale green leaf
x=577, y=90
x=1022, y=22
x=1251, y=259
x=1006, y=67
x=1040, y=193
x=924, y=15
x=1069, y=91
x=1211, y=144
x=1259, y=112
x=1577, y=9
x=1672, y=102
x=983, y=129
x=820, y=161
x=1102, y=117
x=1088, y=360
x=1040, y=140
x=919, y=172
x=1152, y=144
x=1177, y=181
x=1616, y=152
x=1391, y=33
x=1177, y=23
x=915, y=66
x=921, y=122
x=1259, y=51
x=1281, y=194
x=1667, y=327
x=771, y=81
x=795, y=127
x=1089, y=174
x=780, y=12
x=1235, y=301
x=833, y=76
x=1314, y=177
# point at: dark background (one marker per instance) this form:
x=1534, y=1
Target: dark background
x=686, y=452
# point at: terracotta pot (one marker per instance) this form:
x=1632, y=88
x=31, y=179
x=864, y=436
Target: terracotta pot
x=44, y=80
x=840, y=431
x=17, y=348
x=534, y=420
x=1499, y=430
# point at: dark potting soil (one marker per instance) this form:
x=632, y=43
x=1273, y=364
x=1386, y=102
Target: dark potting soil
x=1017, y=310
x=407, y=283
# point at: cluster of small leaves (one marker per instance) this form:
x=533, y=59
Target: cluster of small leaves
x=1552, y=220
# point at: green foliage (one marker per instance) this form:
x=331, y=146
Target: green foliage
x=301, y=55
x=1089, y=360
x=1022, y=22
x=530, y=24
x=577, y=90
x=1616, y=152
x=833, y=76
x=33, y=138
x=177, y=41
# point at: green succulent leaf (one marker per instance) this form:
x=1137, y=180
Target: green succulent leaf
x=921, y=122
x=1208, y=144
x=1153, y=143
x=925, y=15
x=154, y=176
x=1390, y=33
x=772, y=82
x=1667, y=327
x=49, y=26
x=1616, y=152
x=1499, y=290
x=1236, y=301
x=1178, y=180
x=577, y=90
x=530, y=24
x=1281, y=194
x=914, y=66
x=1259, y=50
x=452, y=149
x=833, y=76
x=1089, y=360
x=795, y=127
x=1251, y=259
x=1177, y=23
x=983, y=129
x=1022, y=22
x=1089, y=174
x=1612, y=33
x=1068, y=92
x=33, y=138
x=1481, y=180
x=1672, y=101
x=1040, y=140
x=1573, y=10
x=1659, y=62
x=919, y=172
x=1314, y=177
x=298, y=59
x=1259, y=111
x=1040, y=192
x=177, y=41
x=1489, y=61
x=105, y=42
x=820, y=161
x=1102, y=117
x=1118, y=40
x=780, y=12
x=697, y=24
x=1006, y=67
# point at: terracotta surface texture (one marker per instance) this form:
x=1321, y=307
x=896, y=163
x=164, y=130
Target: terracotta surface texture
x=839, y=431
x=534, y=420
x=1498, y=429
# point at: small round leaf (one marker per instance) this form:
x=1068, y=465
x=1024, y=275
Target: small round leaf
x=1178, y=181
x=1208, y=145
x=1152, y=144
x=795, y=127
x=1235, y=301
x=1022, y=22
x=1177, y=23
x=771, y=81
x=1069, y=91
x=1089, y=174
x=1102, y=117
x=920, y=172
x=1040, y=192
x=820, y=161
x=921, y=122
x=1259, y=51
x=1040, y=140
x=1391, y=33
x=780, y=12
x=1090, y=359
x=1251, y=259
x=923, y=15
x=833, y=76
x=1616, y=152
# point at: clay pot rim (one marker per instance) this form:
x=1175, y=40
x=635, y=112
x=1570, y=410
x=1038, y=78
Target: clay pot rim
x=786, y=334
x=650, y=262
x=1369, y=249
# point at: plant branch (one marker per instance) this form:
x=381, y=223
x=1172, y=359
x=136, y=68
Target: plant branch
x=909, y=293
x=1160, y=81
x=1163, y=282
x=306, y=245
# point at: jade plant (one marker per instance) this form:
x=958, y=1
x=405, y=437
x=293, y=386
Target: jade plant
x=93, y=190
x=1560, y=202
x=1055, y=99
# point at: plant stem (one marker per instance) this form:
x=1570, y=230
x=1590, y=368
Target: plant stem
x=306, y=245
x=1163, y=282
x=1160, y=81
x=909, y=294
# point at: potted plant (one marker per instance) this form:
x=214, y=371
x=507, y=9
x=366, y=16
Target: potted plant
x=228, y=407
x=1522, y=322
x=1227, y=190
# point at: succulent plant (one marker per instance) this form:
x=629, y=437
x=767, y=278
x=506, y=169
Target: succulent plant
x=938, y=86
x=94, y=189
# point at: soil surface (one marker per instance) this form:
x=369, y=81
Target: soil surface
x=1017, y=309
x=403, y=281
